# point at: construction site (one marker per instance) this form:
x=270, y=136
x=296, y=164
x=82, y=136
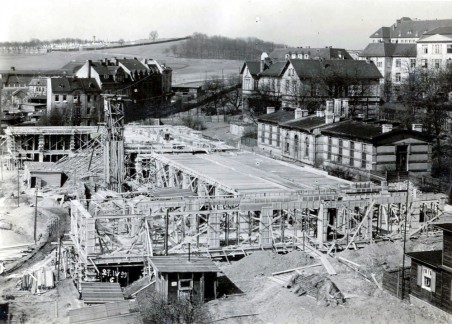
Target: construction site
x=134, y=194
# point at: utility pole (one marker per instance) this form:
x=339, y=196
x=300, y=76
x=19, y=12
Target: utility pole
x=404, y=238
x=166, y=231
x=18, y=183
x=36, y=213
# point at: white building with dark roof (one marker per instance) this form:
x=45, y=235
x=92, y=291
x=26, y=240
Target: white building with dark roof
x=406, y=30
x=434, y=48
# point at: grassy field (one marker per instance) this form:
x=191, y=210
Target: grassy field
x=184, y=70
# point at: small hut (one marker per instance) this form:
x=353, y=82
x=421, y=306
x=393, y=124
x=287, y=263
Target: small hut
x=177, y=277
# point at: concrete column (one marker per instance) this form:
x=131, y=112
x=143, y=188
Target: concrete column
x=322, y=224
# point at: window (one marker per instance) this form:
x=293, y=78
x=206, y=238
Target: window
x=398, y=63
x=379, y=64
x=427, y=276
x=424, y=63
x=425, y=49
x=437, y=49
x=75, y=99
x=363, y=156
x=330, y=144
x=287, y=86
x=412, y=63
x=449, y=49
x=306, y=147
x=57, y=98
x=88, y=110
x=88, y=98
x=339, y=155
x=262, y=133
x=437, y=64
x=398, y=77
x=270, y=136
x=64, y=98
x=278, y=135
x=247, y=83
x=352, y=153
x=294, y=86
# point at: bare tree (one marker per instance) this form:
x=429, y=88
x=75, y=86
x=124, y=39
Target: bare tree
x=155, y=310
x=268, y=94
x=233, y=95
x=424, y=95
x=153, y=35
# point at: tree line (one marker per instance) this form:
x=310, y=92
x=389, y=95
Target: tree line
x=35, y=42
x=201, y=46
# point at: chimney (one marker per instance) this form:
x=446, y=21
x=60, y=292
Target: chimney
x=300, y=113
x=385, y=128
x=337, y=107
x=329, y=112
x=264, y=56
x=270, y=110
x=89, y=68
x=345, y=110
x=417, y=127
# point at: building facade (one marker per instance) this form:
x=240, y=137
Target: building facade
x=77, y=99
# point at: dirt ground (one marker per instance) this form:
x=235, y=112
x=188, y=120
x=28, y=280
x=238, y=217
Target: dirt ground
x=266, y=301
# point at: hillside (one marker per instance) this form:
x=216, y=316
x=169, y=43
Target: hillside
x=184, y=70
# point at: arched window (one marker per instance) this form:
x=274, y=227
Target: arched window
x=306, y=147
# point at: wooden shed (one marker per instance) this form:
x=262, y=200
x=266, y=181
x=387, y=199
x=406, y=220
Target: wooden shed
x=431, y=274
x=41, y=174
x=177, y=276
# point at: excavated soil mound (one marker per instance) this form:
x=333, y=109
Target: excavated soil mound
x=263, y=263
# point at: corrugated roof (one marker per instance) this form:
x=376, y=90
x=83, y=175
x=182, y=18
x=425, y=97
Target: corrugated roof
x=389, y=50
x=173, y=264
x=433, y=258
x=277, y=117
x=305, y=124
x=407, y=28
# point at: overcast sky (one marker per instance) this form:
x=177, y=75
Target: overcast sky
x=316, y=23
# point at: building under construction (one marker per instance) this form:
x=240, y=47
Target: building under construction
x=159, y=190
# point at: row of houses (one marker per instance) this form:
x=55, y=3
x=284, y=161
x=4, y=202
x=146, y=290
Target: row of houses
x=75, y=90
x=330, y=139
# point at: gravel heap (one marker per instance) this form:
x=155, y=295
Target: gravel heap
x=263, y=263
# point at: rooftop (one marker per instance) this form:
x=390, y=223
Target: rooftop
x=305, y=124
x=343, y=68
x=433, y=258
x=66, y=85
x=405, y=27
x=175, y=264
x=389, y=50
x=327, y=53
x=243, y=173
x=277, y=117
x=253, y=66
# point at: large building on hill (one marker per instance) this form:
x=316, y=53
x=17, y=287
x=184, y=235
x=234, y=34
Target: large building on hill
x=407, y=30
x=308, y=53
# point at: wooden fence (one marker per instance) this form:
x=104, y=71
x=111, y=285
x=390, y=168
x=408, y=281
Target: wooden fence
x=392, y=282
